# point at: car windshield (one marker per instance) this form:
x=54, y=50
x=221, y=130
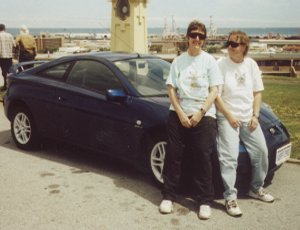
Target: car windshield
x=148, y=76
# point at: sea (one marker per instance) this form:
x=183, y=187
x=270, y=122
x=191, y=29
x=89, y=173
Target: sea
x=283, y=31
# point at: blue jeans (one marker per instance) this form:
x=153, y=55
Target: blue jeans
x=201, y=141
x=228, y=139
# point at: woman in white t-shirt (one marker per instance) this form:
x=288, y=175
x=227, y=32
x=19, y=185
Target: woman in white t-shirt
x=238, y=112
x=192, y=86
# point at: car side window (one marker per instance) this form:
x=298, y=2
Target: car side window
x=57, y=72
x=93, y=75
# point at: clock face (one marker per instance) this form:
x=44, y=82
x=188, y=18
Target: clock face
x=122, y=9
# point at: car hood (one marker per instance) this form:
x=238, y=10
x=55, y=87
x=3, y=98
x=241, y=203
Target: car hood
x=157, y=109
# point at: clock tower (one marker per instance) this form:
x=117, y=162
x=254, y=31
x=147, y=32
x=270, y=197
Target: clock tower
x=129, y=30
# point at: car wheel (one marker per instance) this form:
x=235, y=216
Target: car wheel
x=22, y=129
x=157, y=153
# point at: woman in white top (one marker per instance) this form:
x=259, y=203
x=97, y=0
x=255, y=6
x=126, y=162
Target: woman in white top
x=237, y=117
x=192, y=86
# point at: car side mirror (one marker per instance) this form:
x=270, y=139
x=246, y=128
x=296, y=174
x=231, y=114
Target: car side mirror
x=116, y=95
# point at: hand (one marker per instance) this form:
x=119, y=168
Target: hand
x=196, y=118
x=185, y=121
x=253, y=123
x=235, y=123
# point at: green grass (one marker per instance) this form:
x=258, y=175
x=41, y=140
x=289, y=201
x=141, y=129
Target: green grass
x=283, y=95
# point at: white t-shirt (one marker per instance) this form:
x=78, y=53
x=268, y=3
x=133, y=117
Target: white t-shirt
x=192, y=76
x=241, y=80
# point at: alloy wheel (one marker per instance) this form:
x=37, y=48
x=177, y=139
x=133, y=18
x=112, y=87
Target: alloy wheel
x=22, y=128
x=157, y=158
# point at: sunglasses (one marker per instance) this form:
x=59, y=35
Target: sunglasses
x=199, y=35
x=232, y=44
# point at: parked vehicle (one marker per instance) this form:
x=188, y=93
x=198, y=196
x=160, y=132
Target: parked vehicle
x=113, y=103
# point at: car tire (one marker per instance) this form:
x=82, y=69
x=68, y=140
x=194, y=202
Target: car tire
x=156, y=149
x=23, y=129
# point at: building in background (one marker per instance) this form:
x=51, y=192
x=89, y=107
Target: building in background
x=48, y=44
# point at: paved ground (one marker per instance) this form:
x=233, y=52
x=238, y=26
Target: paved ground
x=62, y=188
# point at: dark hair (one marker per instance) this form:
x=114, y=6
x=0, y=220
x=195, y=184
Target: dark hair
x=196, y=25
x=242, y=37
x=2, y=27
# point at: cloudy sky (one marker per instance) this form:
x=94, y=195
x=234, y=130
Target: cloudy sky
x=96, y=13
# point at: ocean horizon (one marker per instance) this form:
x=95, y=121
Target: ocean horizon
x=251, y=31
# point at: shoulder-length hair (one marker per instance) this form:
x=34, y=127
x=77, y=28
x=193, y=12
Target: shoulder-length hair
x=242, y=37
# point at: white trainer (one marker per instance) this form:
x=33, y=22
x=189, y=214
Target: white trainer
x=204, y=212
x=232, y=208
x=262, y=195
x=166, y=207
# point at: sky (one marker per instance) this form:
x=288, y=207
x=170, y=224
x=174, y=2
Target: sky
x=97, y=13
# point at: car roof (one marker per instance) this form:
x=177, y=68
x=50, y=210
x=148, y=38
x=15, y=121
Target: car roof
x=108, y=56
x=118, y=56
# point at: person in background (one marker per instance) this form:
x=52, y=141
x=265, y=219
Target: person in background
x=238, y=107
x=26, y=45
x=7, y=44
x=192, y=87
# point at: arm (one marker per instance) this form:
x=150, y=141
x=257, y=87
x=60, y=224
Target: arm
x=223, y=109
x=256, y=108
x=17, y=41
x=213, y=92
x=174, y=101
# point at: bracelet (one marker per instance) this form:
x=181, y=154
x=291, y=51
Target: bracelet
x=255, y=115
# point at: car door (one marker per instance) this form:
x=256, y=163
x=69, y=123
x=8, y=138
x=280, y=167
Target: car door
x=44, y=100
x=89, y=119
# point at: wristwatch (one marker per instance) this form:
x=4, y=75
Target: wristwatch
x=203, y=111
x=256, y=115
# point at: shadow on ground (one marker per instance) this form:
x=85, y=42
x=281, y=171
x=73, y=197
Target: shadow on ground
x=123, y=174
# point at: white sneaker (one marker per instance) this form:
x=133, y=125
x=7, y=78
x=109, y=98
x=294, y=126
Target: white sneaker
x=233, y=208
x=204, y=212
x=166, y=207
x=262, y=195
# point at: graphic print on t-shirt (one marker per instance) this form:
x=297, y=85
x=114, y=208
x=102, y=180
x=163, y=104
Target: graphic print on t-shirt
x=240, y=79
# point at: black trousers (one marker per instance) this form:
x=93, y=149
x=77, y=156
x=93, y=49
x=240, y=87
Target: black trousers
x=25, y=56
x=201, y=142
x=5, y=64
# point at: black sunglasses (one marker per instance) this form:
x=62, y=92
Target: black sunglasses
x=199, y=35
x=232, y=44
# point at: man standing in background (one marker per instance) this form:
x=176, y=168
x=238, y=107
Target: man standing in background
x=26, y=45
x=7, y=44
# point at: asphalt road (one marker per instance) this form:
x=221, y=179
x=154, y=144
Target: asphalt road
x=62, y=188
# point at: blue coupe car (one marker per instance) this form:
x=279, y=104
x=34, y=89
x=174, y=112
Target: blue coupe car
x=113, y=103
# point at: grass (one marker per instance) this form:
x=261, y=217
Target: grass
x=283, y=95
